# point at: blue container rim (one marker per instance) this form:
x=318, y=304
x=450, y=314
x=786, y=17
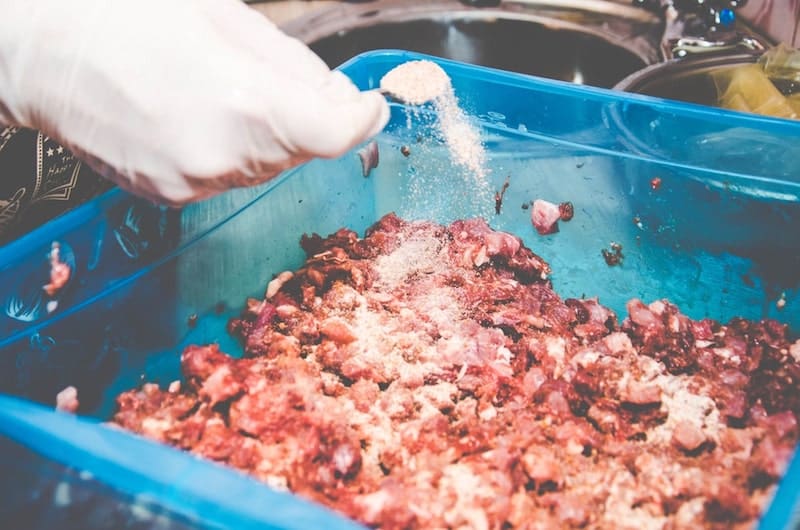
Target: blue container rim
x=566, y=88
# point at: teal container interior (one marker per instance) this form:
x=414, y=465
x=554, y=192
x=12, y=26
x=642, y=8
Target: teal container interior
x=705, y=203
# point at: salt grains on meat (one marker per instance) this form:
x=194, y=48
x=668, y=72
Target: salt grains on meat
x=427, y=398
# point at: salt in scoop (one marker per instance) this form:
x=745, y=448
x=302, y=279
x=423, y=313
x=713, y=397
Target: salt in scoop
x=412, y=83
x=416, y=82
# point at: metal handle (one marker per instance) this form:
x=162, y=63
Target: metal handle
x=693, y=27
x=692, y=46
x=713, y=15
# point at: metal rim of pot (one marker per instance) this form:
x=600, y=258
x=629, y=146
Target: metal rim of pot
x=618, y=23
x=638, y=80
x=614, y=116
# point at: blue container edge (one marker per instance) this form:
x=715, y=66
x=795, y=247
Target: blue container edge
x=126, y=462
x=565, y=87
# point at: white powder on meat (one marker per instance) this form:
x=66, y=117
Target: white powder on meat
x=388, y=381
x=419, y=253
x=392, y=345
x=464, y=488
x=423, y=332
x=683, y=404
x=620, y=505
x=794, y=351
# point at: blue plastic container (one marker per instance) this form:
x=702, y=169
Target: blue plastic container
x=705, y=203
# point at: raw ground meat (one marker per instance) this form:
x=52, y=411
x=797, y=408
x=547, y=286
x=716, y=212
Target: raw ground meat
x=429, y=377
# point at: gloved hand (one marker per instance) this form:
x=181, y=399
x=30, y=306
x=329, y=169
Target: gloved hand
x=175, y=100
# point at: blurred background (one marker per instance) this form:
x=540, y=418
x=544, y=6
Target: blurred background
x=709, y=52
x=778, y=19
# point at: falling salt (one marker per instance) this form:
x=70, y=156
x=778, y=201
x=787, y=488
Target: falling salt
x=419, y=82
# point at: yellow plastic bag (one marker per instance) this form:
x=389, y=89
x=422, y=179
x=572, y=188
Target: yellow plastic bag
x=755, y=87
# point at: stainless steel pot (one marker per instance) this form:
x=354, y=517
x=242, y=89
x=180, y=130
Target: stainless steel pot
x=593, y=42
x=687, y=80
x=690, y=80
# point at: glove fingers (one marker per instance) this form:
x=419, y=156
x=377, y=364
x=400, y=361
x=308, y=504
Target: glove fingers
x=330, y=127
x=180, y=112
x=339, y=88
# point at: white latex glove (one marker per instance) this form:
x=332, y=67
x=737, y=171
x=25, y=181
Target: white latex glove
x=175, y=100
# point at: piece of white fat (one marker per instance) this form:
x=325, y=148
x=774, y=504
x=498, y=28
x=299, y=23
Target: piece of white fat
x=67, y=400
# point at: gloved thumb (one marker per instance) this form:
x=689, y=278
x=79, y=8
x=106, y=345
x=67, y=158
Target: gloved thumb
x=336, y=119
